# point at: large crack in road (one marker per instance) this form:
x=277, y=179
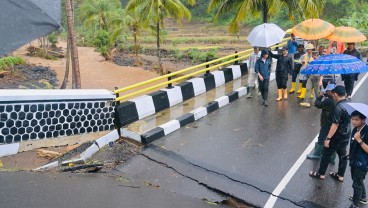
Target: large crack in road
x=177, y=158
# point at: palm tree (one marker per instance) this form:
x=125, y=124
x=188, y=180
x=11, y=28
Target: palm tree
x=97, y=11
x=73, y=44
x=242, y=8
x=156, y=10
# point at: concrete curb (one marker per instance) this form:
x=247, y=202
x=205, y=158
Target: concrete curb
x=194, y=115
x=84, y=156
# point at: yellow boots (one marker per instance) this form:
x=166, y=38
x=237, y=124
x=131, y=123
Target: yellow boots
x=300, y=88
x=279, y=91
x=285, y=94
x=293, y=86
x=303, y=93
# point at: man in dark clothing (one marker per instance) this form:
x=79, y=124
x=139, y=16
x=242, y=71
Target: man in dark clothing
x=349, y=79
x=358, y=158
x=337, y=139
x=263, y=69
x=296, y=68
x=326, y=103
x=283, y=69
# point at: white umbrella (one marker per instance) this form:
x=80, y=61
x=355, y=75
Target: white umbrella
x=361, y=107
x=266, y=35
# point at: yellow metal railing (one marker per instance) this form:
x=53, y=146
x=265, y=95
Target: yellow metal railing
x=217, y=66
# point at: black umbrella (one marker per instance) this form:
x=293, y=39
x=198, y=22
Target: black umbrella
x=26, y=20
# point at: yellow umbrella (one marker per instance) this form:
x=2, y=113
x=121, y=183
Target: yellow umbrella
x=289, y=31
x=347, y=35
x=313, y=29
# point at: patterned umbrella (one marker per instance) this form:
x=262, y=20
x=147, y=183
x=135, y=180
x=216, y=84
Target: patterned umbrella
x=336, y=64
x=313, y=29
x=347, y=35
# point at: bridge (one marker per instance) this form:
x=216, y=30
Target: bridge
x=202, y=138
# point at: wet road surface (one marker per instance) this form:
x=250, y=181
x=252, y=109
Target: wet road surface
x=45, y=190
x=244, y=150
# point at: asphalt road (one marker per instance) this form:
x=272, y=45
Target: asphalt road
x=244, y=150
x=113, y=190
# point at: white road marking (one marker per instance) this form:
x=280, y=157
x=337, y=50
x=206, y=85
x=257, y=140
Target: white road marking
x=281, y=186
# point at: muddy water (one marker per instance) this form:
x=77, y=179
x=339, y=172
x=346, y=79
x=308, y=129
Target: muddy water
x=96, y=73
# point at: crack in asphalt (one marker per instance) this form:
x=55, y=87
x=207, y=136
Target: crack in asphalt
x=166, y=152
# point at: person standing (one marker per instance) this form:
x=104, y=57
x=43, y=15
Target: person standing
x=283, y=69
x=337, y=138
x=358, y=158
x=296, y=69
x=316, y=84
x=349, y=79
x=326, y=103
x=253, y=76
x=292, y=45
x=263, y=69
x=303, y=78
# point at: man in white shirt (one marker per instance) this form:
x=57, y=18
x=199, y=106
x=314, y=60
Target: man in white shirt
x=252, y=75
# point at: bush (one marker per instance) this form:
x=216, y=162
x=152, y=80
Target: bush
x=178, y=54
x=199, y=56
x=10, y=61
x=53, y=39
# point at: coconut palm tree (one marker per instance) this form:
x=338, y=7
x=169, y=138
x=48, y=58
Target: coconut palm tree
x=73, y=44
x=97, y=11
x=156, y=10
x=242, y=8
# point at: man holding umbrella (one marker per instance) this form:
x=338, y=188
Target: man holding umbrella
x=283, y=69
x=263, y=69
x=358, y=158
x=349, y=79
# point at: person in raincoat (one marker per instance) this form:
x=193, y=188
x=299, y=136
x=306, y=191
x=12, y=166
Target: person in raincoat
x=283, y=69
x=263, y=69
x=253, y=76
x=303, y=78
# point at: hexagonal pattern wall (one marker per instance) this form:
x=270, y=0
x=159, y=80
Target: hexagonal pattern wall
x=32, y=121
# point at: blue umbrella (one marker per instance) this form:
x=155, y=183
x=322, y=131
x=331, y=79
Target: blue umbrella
x=336, y=64
x=361, y=107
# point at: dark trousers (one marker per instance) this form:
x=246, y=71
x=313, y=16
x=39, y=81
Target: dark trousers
x=263, y=87
x=294, y=74
x=349, y=86
x=358, y=177
x=340, y=149
x=304, y=83
x=281, y=81
x=323, y=132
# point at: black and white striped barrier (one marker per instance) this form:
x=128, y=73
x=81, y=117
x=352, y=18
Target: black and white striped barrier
x=194, y=115
x=146, y=105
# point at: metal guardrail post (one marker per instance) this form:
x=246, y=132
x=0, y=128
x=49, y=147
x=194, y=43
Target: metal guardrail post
x=169, y=86
x=237, y=61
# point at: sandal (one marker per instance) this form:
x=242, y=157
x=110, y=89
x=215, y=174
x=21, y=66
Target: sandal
x=314, y=174
x=336, y=177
